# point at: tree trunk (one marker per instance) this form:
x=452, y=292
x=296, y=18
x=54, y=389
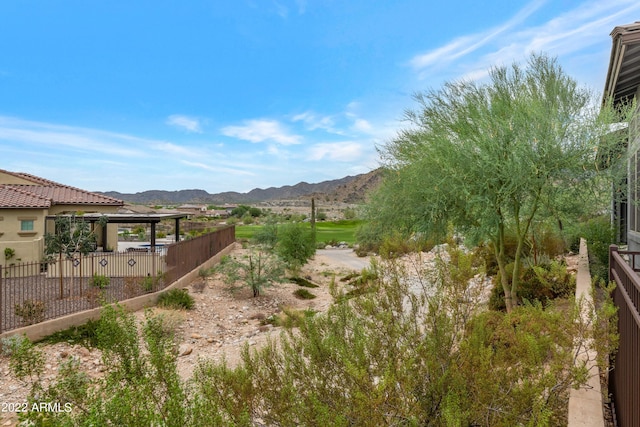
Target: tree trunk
x=499, y=249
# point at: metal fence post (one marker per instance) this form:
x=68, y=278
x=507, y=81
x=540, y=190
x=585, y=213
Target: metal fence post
x=612, y=249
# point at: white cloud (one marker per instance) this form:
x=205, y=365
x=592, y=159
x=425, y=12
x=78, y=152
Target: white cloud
x=260, y=131
x=565, y=36
x=362, y=125
x=312, y=121
x=173, y=149
x=337, y=151
x=189, y=124
x=218, y=169
x=465, y=45
x=74, y=138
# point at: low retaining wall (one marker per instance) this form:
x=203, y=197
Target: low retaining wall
x=585, y=404
x=43, y=329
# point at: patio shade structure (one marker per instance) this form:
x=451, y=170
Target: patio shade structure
x=131, y=218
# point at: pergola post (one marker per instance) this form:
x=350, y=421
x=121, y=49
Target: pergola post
x=104, y=238
x=153, y=237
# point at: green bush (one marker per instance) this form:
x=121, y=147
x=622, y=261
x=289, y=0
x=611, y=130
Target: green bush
x=303, y=294
x=390, y=357
x=301, y=281
x=147, y=284
x=599, y=234
x=368, y=239
x=178, y=299
x=540, y=283
x=258, y=270
x=99, y=281
x=267, y=235
x=85, y=335
x=296, y=245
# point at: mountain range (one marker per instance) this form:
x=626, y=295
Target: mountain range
x=350, y=189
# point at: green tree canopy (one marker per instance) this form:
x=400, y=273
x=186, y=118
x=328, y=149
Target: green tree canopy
x=491, y=158
x=72, y=235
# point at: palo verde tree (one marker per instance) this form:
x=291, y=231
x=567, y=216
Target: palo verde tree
x=72, y=236
x=491, y=159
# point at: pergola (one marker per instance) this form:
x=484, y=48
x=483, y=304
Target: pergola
x=131, y=218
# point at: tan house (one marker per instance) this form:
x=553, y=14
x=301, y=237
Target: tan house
x=27, y=207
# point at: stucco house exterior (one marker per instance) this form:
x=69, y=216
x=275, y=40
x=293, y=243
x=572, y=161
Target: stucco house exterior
x=622, y=85
x=28, y=205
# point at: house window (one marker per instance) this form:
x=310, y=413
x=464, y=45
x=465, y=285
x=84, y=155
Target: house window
x=26, y=225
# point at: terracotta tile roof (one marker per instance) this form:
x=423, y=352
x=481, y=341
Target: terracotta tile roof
x=44, y=193
x=68, y=195
x=11, y=197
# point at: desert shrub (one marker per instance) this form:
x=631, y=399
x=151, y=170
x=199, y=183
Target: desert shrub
x=545, y=240
x=99, y=281
x=259, y=269
x=95, y=296
x=27, y=362
x=395, y=246
x=303, y=294
x=349, y=213
x=599, y=234
x=85, y=335
x=390, y=354
x=301, y=281
x=141, y=385
x=9, y=344
x=289, y=318
x=267, y=235
x=296, y=245
x=396, y=356
x=361, y=283
x=31, y=311
x=247, y=219
x=538, y=283
x=147, y=283
x=368, y=239
x=178, y=299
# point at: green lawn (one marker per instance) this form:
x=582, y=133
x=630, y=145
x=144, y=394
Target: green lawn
x=246, y=231
x=340, y=231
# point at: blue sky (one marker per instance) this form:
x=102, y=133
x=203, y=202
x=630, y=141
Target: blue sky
x=241, y=94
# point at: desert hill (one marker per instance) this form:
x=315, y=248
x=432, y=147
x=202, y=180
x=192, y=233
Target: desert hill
x=350, y=189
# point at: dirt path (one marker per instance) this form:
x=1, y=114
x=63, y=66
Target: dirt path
x=345, y=258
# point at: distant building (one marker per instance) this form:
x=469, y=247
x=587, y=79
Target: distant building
x=193, y=209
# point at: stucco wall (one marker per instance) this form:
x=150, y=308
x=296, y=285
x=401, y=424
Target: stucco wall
x=6, y=178
x=112, y=229
x=28, y=246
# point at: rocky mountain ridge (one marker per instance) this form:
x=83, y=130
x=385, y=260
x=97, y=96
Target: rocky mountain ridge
x=350, y=189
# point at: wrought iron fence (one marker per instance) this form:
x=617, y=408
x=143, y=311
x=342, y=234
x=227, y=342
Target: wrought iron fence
x=624, y=379
x=185, y=256
x=34, y=292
